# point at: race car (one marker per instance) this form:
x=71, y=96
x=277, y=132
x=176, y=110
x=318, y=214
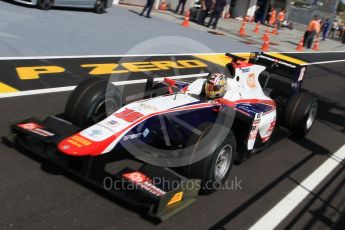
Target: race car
x=99, y=6
x=180, y=132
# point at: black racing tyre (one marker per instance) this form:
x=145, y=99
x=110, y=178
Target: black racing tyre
x=92, y=101
x=100, y=6
x=45, y=4
x=300, y=114
x=214, y=169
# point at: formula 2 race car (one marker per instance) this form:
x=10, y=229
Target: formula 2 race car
x=180, y=133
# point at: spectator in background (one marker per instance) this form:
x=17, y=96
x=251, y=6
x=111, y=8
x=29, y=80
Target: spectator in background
x=333, y=29
x=273, y=16
x=216, y=13
x=312, y=30
x=206, y=6
x=325, y=28
x=148, y=7
x=281, y=18
x=341, y=30
x=180, y=3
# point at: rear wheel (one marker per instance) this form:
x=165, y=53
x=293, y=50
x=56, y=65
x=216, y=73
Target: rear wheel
x=92, y=101
x=300, y=114
x=100, y=6
x=45, y=4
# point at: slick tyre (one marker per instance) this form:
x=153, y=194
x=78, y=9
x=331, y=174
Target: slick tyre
x=92, y=101
x=100, y=6
x=214, y=169
x=45, y=4
x=300, y=114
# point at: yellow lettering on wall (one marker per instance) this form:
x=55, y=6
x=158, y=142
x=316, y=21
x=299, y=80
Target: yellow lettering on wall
x=34, y=72
x=192, y=63
x=99, y=69
x=140, y=66
x=166, y=65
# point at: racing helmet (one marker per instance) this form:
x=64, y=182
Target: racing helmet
x=215, y=86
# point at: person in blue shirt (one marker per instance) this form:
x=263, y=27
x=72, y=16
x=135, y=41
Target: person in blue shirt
x=325, y=29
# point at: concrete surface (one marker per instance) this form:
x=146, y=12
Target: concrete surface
x=285, y=41
x=27, y=31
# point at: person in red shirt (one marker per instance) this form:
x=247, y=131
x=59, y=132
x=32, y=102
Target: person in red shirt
x=312, y=30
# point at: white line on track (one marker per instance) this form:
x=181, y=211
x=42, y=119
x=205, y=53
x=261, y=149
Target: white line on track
x=69, y=88
x=281, y=210
x=324, y=62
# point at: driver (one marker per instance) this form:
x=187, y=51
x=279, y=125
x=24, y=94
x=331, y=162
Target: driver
x=215, y=86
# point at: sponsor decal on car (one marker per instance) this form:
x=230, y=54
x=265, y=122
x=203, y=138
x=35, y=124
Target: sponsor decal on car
x=269, y=131
x=176, y=198
x=77, y=141
x=132, y=136
x=146, y=132
x=254, y=131
x=112, y=122
x=150, y=108
x=129, y=115
x=245, y=70
x=251, y=81
x=35, y=128
x=144, y=182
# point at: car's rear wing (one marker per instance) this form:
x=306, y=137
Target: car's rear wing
x=282, y=65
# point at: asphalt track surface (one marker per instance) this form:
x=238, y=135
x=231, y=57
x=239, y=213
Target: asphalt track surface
x=35, y=195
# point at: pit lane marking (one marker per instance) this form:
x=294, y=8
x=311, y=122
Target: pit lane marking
x=324, y=62
x=148, y=55
x=70, y=88
x=6, y=88
x=282, y=209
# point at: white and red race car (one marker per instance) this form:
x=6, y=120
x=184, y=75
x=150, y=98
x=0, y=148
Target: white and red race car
x=175, y=133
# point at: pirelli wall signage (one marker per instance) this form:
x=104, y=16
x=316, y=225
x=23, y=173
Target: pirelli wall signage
x=31, y=74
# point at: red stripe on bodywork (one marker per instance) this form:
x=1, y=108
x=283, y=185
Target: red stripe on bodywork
x=97, y=148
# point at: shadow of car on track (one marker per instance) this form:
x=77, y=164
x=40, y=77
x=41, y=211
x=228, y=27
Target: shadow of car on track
x=50, y=168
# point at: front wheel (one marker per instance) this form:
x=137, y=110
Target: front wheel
x=100, y=6
x=214, y=169
x=45, y=4
x=92, y=101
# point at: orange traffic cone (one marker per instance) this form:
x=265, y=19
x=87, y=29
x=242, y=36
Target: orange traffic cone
x=163, y=5
x=300, y=45
x=265, y=45
x=185, y=22
x=257, y=27
x=243, y=29
x=275, y=30
x=266, y=35
x=316, y=44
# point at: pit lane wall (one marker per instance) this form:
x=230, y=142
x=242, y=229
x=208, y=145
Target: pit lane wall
x=44, y=73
